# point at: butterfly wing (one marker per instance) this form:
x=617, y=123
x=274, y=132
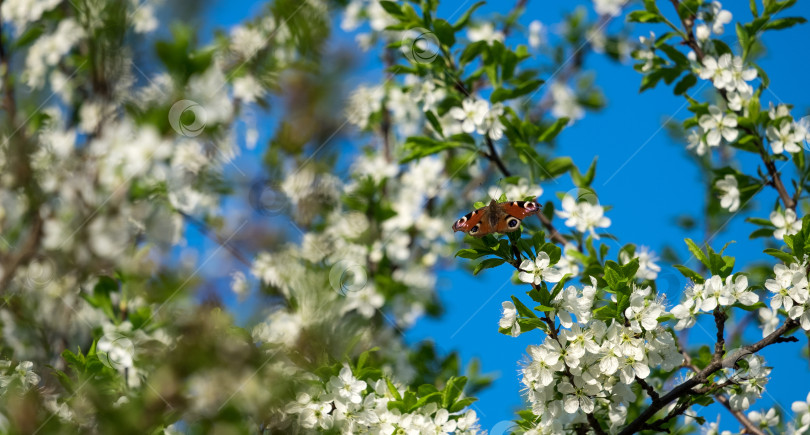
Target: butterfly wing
x=511, y=213
x=496, y=218
x=473, y=223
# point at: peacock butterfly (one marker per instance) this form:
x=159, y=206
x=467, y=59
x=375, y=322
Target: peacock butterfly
x=496, y=218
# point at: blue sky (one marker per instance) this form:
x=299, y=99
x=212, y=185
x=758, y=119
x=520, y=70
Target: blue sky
x=642, y=173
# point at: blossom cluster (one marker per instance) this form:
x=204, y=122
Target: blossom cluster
x=714, y=293
x=586, y=365
x=350, y=405
x=790, y=292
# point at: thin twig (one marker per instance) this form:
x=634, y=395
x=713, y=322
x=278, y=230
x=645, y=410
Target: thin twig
x=700, y=377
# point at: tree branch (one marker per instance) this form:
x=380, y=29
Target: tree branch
x=495, y=158
x=700, y=377
x=720, y=323
x=776, y=179
x=206, y=230
x=749, y=426
x=648, y=388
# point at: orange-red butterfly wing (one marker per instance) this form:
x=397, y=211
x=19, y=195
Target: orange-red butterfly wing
x=496, y=218
x=512, y=213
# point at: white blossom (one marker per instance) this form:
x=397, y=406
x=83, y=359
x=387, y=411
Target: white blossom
x=471, y=114
x=565, y=103
x=584, y=216
x=612, y=8
x=484, y=32
x=786, y=223
x=539, y=270
x=730, y=194
x=719, y=125
x=536, y=34
x=509, y=318
x=785, y=138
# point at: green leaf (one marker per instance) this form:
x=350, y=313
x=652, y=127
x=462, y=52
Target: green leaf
x=761, y=232
x=502, y=94
x=29, y=35
x=552, y=131
x=434, y=122
x=783, y=23
x=453, y=389
x=543, y=308
x=684, y=84
x=458, y=25
x=471, y=254
x=689, y=273
x=527, y=325
x=676, y=56
x=688, y=8
x=751, y=307
x=472, y=51
x=644, y=17
x=445, y=32
x=697, y=252
x=650, y=80
x=392, y=389
x=424, y=400
x=392, y=8
x=629, y=270
x=461, y=404
x=488, y=264
x=523, y=310
x=586, y=180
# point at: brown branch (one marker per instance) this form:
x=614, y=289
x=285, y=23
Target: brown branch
x=208, y=232
x=776, y=179
x=592, y=421
x=658, y=425
x=648, y=388
x=23, y=254
x=720, y=322
x=749, y=426
x=495, y=158
x=688, y=23
x=9, y=103
x=555, y=235
x=700, y=377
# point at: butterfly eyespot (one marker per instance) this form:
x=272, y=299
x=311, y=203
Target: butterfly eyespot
x=512, y=222
x=474, y=229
